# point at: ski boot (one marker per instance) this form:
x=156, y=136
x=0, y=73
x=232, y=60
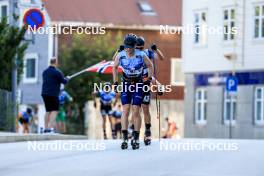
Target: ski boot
x=124, y=145
x=132, y=138
x=135, y=140
x=147, y=137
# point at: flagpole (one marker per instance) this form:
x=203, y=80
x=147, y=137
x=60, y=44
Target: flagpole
x=78, y=73
x=84, y=70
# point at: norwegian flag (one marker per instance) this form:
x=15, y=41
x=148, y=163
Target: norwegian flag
x=104, y=67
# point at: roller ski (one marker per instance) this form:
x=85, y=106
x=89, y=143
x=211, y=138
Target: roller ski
x=147, y=137
x=124, y=145
x=135, y=141
x=135, y=144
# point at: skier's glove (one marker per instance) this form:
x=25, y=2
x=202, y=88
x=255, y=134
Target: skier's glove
x=154, y=47
x=95, y=104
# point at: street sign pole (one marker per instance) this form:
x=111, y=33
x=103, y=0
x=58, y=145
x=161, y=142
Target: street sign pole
x=231, y=89
x=14, y=88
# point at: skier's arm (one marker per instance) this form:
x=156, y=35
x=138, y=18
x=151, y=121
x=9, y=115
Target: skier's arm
x=149, y=65
x=156, y=50
x=115, y=55
x=160, y=54
x=121, y=48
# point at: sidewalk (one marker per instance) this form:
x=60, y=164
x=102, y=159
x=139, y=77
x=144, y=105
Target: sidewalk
x=6, y=137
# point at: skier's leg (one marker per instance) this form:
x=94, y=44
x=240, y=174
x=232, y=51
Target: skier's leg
x=136, y=107
x=147, y=119
x=124, y=122
x=104, y=126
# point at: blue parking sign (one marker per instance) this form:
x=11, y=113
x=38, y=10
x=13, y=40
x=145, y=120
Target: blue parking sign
x=231, y=84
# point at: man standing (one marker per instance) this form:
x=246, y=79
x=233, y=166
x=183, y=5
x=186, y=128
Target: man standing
x=52, y=79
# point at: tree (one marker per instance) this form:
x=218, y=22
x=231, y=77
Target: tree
x=80, y=54
x=11, y=47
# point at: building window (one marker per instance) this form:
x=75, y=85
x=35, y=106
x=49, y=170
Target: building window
x=200, y=106
x=3, y=10
x=27, y=1
x=259, y=105
x=259, y=21
x=200, y=25
x=230, y=108
x=146, y=8
x=30, y=68
x=229, y=24
x=177, y=76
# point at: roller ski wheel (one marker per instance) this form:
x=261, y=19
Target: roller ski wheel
x=124, y=145
x=147, y=140
x=135, y=145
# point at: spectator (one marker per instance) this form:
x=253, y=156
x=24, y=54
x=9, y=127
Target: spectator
x=172, y=128
x=52, y=79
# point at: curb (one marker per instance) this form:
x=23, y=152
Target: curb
x=38, y=137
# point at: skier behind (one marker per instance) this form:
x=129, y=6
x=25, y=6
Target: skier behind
x=152, y=54
x=132, y=61
x=106, y=100
x=24, y=119
x=60, y=119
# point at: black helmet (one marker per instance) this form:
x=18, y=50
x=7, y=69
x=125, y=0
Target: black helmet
x=29, y=111
x=140, y=41
x=130, y=41
x=131, y=34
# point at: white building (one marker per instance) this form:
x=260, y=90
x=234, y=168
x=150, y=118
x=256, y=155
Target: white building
x=210, y=57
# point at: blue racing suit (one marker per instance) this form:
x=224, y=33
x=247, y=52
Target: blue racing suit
x=132, y=77
x=106, y=99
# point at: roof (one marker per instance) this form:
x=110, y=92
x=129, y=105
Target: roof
x=116, y=12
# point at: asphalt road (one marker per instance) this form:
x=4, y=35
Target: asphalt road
x=186, y=157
